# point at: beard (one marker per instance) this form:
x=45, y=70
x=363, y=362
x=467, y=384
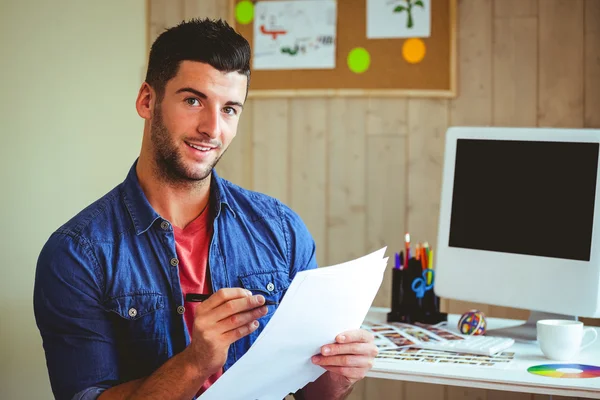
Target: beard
x=169, y=161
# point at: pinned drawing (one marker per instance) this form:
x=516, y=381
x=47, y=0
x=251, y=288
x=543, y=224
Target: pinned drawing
x=294, y=34
x=398, y=19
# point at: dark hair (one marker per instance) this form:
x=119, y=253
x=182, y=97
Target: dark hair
x=213, y=42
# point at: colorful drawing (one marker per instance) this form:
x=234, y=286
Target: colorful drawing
x=294, y=34
x=577, y=371
x=398, y=19
x=408, y=9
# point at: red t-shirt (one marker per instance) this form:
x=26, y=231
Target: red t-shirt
x=191, y=244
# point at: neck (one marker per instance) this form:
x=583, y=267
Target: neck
x=179, y=203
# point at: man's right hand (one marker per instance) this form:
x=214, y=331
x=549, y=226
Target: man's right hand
x=226, y=316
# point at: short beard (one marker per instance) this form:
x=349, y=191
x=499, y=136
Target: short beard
x=169, y=164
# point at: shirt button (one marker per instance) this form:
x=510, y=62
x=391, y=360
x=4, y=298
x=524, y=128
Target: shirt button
x=132, y=312
x=270, y=287
x=181, y=310
x=174, y=262
x=164, y=225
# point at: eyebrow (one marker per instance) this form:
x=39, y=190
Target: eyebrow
x=203, y=96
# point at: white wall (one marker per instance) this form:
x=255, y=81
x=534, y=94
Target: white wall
x=69, y=75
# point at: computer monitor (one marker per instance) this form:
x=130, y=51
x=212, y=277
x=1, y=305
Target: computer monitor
x=519, y=221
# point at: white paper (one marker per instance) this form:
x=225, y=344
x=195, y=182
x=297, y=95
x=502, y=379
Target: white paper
x=398, y=19
x=319, y=305
x=294, y=34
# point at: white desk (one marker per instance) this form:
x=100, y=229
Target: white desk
x=513, y=377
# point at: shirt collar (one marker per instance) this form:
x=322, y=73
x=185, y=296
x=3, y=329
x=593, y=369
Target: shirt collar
x=143, y=215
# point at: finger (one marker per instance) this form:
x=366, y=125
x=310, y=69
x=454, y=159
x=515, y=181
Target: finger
x=367, y=349
x=351, y=373
x=224, y=295
x=358, y=335
x=240, y=319
x=343, y=361
x=236, y=306
x=239, y=332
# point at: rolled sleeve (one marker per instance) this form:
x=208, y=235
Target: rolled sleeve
x=76, y=331
x=89, y=394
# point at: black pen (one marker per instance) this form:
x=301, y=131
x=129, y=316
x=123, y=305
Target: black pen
x=197, y=297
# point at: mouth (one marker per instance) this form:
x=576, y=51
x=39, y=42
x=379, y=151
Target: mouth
x=202, y=148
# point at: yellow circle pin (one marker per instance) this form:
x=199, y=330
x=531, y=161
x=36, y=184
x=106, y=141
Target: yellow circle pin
x=413, y=50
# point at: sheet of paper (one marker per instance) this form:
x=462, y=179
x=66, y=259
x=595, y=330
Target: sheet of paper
x=294, y=34
x=398, y=19
x=319, y=305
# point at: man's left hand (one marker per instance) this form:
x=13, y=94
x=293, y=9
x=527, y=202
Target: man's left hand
x=349, y=358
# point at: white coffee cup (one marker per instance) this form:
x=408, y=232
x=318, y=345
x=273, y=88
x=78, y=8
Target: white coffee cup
x=561, y=339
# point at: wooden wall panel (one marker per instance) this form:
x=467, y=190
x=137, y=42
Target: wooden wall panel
x=501, y=395
x=308, y=169
x=460, y=393
x=516, y=8
x=346, y=213
x=385, y=158
x=425, y=157
x=561, y=63
x=592, y=63
x=473, y=106
x=206, y=8
x=387, y=116
x=362, y=171
x=270, y=151
x=515, y=71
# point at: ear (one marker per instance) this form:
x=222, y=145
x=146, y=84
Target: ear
x=144, y=103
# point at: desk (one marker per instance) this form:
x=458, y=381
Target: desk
x=513, y=377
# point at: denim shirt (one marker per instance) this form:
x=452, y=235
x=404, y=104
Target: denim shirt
x=107, y=297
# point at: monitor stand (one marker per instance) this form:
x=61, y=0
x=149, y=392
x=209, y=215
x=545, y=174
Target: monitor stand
x=528, y=331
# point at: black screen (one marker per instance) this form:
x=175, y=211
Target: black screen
x=524, y=197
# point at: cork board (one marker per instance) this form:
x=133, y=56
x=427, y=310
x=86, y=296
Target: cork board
x=389, y=74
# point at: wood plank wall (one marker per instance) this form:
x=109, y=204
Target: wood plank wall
x=362, y=171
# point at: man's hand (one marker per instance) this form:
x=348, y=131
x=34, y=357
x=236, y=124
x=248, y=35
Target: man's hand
x=226, y=316
x=349, y=358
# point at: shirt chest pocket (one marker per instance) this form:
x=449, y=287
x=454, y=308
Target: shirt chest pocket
x=139, y=316
x=140, y=326
x=272, y=285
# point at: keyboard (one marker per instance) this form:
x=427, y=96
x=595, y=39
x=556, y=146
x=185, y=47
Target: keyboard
x=484, y=345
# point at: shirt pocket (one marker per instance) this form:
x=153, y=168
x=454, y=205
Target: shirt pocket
x=140, y=324
x=272, y=285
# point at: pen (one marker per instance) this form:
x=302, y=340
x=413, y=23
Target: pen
x=407, y=248
x=198, y=297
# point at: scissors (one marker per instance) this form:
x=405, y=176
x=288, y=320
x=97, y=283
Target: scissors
x=420, y=286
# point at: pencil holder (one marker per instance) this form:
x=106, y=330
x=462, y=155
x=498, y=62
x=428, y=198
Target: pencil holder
x=399, y=312
x=413, y=298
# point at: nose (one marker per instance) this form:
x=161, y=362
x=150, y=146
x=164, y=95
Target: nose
x=210, y=123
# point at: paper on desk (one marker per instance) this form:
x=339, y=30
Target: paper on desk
x=318, y=305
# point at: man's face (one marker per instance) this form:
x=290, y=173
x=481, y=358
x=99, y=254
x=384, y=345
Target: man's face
x=196, y=120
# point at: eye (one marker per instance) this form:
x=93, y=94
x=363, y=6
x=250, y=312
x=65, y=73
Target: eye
x=192, y=101
x=230, y=110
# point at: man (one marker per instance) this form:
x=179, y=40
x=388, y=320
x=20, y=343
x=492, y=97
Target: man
x=115, y=286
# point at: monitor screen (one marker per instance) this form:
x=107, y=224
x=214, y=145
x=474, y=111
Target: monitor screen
x=525, y=197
